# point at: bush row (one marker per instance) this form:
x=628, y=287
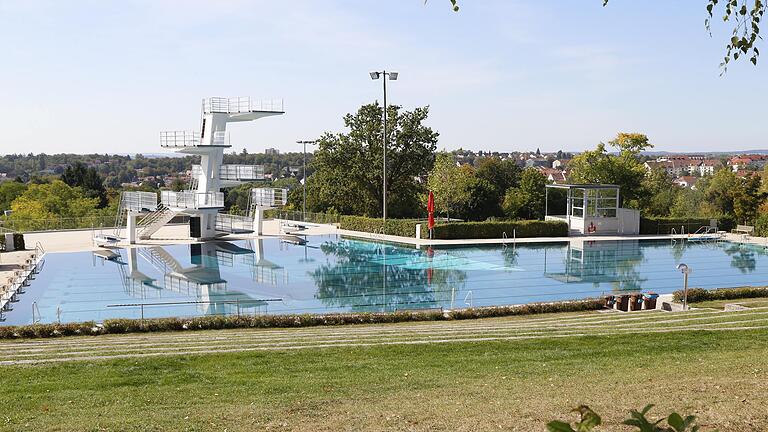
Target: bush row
x=696, y=295
x=664, y=225
x=119, y=326
x=496, y=229
x=397, y=227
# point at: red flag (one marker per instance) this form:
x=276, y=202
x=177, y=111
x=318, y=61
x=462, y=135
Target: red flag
x=431, y=210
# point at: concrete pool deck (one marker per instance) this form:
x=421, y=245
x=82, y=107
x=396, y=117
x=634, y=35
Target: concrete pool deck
x=82, y=240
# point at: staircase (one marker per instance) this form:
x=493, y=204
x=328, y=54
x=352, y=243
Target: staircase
x=161, y=260
x=154, y=221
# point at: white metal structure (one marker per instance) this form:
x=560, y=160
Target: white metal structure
x=203, y=199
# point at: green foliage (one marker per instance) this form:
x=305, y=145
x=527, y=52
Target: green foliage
x=348, y=166
x=452, y=186
x=397, y=227
x=589, y=420
x=9, y=191
x=493, y=229
x=746, y=16
x=664, y=225
x=624, y=169
x=696, y=295
x=526, y=201
x=52, y=200
x=659, y=193
x=88, y=179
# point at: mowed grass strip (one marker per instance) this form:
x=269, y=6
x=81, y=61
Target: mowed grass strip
x=157, y=344
x=507, y=385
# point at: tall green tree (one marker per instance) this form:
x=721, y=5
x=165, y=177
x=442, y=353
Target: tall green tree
x=526, y=201
x=451, y=185
x=624, y=169
x=348, y=166
x=658, y=193
x=87, y=178
x=9, y=191
x=500, y=175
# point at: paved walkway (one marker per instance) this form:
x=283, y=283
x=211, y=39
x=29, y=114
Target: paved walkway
x=34, y=351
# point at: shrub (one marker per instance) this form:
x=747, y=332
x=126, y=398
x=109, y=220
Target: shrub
x=664, y=225
x=492, y=229
x=397, y=227
x=696, y=295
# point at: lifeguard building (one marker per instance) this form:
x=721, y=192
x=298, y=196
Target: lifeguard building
x=592, y=209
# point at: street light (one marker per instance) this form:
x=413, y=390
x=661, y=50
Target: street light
x=392, y=76
x=685, y=270
x=304, y=179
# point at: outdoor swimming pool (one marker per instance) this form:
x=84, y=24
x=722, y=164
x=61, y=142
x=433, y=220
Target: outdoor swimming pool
x=333, y=274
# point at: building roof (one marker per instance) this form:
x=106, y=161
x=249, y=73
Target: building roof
x=583, y=186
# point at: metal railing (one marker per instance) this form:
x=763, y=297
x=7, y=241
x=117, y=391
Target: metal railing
x=57, y=224
x=138, y=201
x=233, y=223
x=319, y=218
x=180, y=139
x=236, y=105
x=269, y=197
x=192, y=200
x=234, y=172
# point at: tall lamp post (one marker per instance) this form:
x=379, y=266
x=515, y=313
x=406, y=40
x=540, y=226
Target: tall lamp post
x=392, y=76
x=304, y=179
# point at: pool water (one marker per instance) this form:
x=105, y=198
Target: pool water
x=334, y=274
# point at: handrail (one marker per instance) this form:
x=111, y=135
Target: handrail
x=242, y=104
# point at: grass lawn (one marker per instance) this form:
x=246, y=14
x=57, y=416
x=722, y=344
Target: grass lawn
x=516, y=385
x=720, y=304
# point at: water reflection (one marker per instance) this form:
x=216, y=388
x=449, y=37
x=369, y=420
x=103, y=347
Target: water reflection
x=597, y=262
x=370, y=277
x=201, y=281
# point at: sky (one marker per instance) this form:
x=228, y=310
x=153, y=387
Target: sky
x=87, y=76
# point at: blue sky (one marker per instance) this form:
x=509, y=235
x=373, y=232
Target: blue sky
x=107, y=76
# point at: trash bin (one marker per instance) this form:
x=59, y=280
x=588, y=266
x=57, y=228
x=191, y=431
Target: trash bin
x=622, y=302
x=635, y=302
x=610, y=301
x=650, y=300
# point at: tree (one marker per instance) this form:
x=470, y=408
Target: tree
x=659, y=193
x=348, y=166
x=746, y=16
x=526, y=201
x=624, y=169
x=9, y=191
x=451, y=185
x=747, y=198
x=499, y=175
x=78, y=175
x=53, y=200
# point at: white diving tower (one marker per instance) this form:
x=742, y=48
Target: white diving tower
x=203, y=198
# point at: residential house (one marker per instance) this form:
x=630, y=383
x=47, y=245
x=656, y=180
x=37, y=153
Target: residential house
x=686, y=181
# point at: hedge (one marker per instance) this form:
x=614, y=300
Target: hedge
x=664, y=225
x=397, y=227
x=121, y=326
x=696, y=295
x=496, y=229
x=18, y=241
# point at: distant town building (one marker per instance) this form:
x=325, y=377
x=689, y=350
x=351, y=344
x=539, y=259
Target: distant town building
x=553, y=175
x=271, y=151
x=686, y=181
